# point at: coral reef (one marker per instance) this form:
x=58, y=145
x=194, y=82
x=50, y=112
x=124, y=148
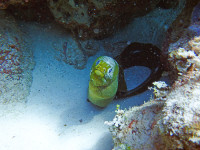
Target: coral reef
x=16, y=61
x=170, y=120
x=184, y=54
x=160, y=90
x=136, y=128
x=179, y=126
x=98, y=19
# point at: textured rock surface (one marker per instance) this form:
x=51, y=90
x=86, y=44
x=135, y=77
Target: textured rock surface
x=5, y=3
x=70, y=53
x=16, y=61
x=98, y=19
x=181, y=23
x=171, y=119
x=33, y=10
x=172, y=123
x=74, y=52
x=180, y=124
x=150, y=28
x=136, y=128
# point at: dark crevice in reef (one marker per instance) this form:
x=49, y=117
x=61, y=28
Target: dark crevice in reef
x=167, y=4
x=35, y=11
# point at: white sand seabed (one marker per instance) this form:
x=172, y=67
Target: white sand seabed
x=56, y=115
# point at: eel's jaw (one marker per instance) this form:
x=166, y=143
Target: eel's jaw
x=99, y=79
x=101, y=76
x=99, y=73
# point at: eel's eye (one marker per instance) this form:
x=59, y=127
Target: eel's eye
x=98, y=61
x=109, y=70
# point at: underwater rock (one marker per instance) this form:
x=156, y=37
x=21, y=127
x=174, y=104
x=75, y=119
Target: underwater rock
x=5, y=3
x=36, y=10
x=28, y=10
x=196, y=14
x=169, y=123
x=167, y=4
x=195, y=44
x=115, y=48
x=90, y=47
x=179, y=127
x=182, y=21
x=150, y=28
x=136, y=128
x=74, y=55
x=98, y=19
x=16, y=61
x=71, y=53
x=184, y=55
x=171, y=120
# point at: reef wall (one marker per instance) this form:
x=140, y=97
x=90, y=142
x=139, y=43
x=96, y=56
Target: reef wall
x=170, y=120
x=98, y=19
x=117, y=22
x=16, y=61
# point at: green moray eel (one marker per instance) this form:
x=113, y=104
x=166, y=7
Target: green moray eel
x=107, y=74
x=103, y=82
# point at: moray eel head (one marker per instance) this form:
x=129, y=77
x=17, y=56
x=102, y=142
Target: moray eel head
x=103, y=81
x=99, y=73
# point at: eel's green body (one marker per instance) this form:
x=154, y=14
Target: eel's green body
x=103, y=82
x=107, y=80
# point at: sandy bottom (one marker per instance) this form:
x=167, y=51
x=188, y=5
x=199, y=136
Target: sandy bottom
x=56, y=115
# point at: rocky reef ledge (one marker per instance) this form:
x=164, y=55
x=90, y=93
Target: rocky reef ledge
x=170, y=120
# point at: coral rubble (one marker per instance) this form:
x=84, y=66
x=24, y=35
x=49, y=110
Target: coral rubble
x=16, y=61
